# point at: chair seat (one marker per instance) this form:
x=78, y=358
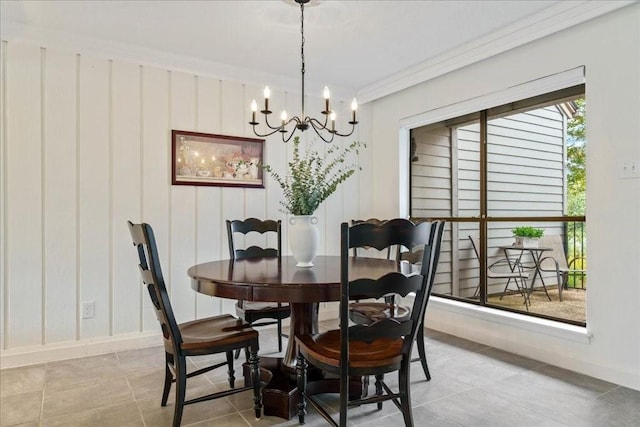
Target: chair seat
x=324, y=349
x=365, y=313
x=214, y=331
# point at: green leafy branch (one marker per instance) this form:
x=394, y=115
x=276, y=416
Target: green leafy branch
x=314, y=177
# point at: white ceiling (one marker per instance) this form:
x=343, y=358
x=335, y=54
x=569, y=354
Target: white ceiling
x=354, y=45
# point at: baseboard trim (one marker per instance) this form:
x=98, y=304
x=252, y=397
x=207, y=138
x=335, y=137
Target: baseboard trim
x=38, y=354
x=34, y=355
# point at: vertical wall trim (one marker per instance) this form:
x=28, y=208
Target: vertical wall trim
x=169, y=147
x=141, y=180
x=196, y=124
x=110, y=195
x=43, y=173
x=77, y=147
x=3, y=208
x=244, y=190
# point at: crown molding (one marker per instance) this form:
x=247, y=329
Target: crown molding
x=564, y=15
x=559, y=17
x=100, y=48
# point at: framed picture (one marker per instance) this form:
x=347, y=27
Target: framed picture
x=220, y=160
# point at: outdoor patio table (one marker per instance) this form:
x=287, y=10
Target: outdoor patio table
x=536, y=256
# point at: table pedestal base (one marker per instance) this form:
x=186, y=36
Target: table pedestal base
x=280, y=396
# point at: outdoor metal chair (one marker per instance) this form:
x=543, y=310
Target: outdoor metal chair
x=555, y=261
x=504, y=269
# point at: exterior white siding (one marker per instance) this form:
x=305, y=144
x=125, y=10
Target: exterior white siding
x=525, y=177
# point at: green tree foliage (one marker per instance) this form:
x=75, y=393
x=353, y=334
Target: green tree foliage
x=576, y=160
x=576, y=188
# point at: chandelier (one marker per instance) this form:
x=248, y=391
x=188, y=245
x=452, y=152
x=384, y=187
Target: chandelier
x=325, y=130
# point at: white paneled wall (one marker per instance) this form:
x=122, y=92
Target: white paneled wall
x=86, y=147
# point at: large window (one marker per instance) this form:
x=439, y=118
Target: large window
x=514, y=165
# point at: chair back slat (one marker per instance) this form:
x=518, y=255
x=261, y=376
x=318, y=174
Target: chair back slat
x=370, y=221
x=254, y=225
x=387, y=328
x=390, y=233
x=151, y=274
x=393, y=282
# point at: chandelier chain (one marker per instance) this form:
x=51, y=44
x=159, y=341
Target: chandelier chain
x=302, y=53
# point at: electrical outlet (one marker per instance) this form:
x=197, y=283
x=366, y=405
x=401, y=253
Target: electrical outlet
x=88, y=310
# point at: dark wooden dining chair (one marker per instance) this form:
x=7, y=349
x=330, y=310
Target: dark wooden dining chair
x=430, y=233
x=251, y=311
x=380, y=347
x=217, y=334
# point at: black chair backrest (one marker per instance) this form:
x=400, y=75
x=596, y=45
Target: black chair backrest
x=145, y=242
x=375, y=221
x=254, y=225
x=409, y=278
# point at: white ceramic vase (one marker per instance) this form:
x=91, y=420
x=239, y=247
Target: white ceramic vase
x=303, y=239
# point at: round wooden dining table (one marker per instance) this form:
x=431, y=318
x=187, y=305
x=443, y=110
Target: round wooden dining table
x=279, y=280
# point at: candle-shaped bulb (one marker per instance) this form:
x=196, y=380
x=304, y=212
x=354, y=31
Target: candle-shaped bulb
x=267, y=92
x=283, y=116
x=326, y=95
x=254, y=106
x=332, y=116
x=354, y=107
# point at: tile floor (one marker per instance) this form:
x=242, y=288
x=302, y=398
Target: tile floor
x=472, y=385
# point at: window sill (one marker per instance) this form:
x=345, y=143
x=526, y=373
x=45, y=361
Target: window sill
x=513, y=320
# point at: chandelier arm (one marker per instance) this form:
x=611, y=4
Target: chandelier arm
x=353, y=127
x=319, y=131
x=266, y=134
x=317, y=125
x=320, y=124
x=276, y=128
x=293, y=131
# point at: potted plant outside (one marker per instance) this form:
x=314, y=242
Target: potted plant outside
x=526, y=236
x=311, y=178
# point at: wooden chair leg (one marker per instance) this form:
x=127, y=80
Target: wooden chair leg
x=405, y=392
x=280, y=335
x=255, y=379
x=231, y=371
x=301, y=378
x=237, y=353
x=168, y=378
x=181, y=386
x=423, y=354
x=379, y=379
x=365, y=386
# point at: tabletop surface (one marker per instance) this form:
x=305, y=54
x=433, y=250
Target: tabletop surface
x=267, y=279
x=527, y=248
